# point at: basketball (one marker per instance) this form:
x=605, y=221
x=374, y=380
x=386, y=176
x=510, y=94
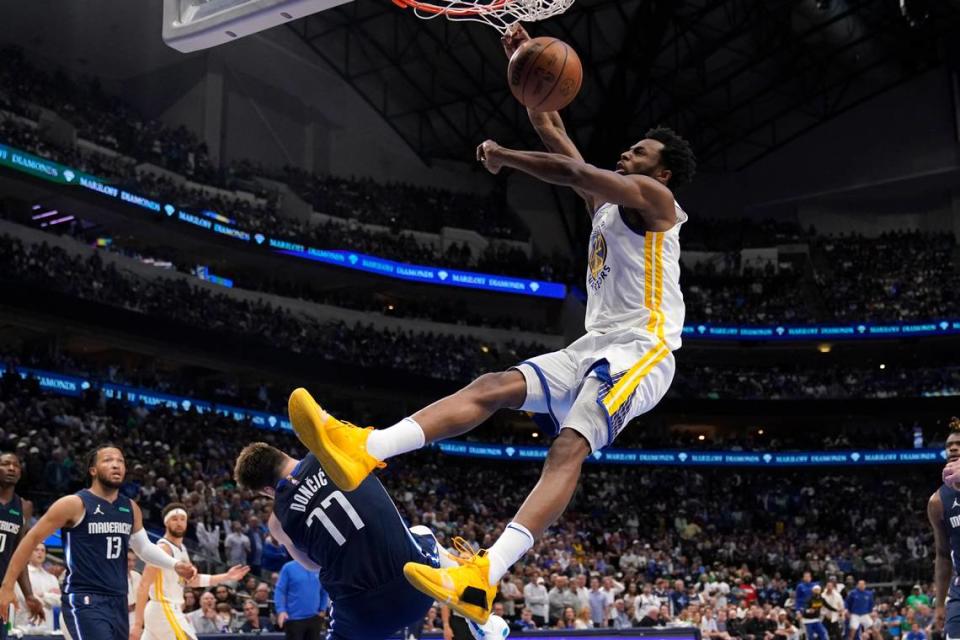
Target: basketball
x=545, y=74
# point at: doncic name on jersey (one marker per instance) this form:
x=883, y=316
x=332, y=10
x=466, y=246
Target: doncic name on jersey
x=308, y=488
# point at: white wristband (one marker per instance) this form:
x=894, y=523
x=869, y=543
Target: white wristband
x=204, y=580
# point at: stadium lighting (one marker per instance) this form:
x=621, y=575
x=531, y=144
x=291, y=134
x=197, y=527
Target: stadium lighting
x=824, y=348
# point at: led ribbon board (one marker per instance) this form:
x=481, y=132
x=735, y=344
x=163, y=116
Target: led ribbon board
x=63, y=384
x=60, y=174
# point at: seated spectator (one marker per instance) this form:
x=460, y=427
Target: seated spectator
x=204, y=619
x=651, y=618
x=253, y=622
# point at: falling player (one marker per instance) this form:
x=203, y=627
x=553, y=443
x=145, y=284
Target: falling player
x=15, y=513
x=943, y=511
x=98, y=524
x=359, y=544
x=620, y=369
x=161, y=618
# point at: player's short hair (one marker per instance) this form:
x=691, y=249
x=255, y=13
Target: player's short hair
x=170, y=507
x=258, y=466
x=677, y=155
x=92, y=455
x=953, y=426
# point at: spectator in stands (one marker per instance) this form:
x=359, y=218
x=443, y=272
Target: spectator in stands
x=225, y=595
x=568, y=619
x=597, y=603
x=237, y=545
x=253, y=622
x=535, y=598
x=133, y=583
x=204, y=619
x=45, y=587
x=226, y=620
x=190, y=601
x=510, y=594
x=526, y=621
x=255, y=554
x=261, y=598
x=917, y=598
x=560, y=598
x=651, y=618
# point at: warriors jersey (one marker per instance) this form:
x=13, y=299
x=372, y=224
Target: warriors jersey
x=633, y=279
x=96, y=547
x=11, y=522
x=167, y=588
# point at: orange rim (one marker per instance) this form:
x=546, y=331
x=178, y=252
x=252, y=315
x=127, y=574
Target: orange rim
x=426, y=7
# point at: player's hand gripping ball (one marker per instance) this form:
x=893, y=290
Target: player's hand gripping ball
x=545, y=74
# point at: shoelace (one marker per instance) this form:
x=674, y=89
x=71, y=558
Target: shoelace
x=464, y=548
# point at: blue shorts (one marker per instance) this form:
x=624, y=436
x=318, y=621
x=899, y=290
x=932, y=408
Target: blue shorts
x=951, y=625
x=378, y=614
x=89, y=616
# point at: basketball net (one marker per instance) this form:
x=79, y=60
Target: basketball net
x=499, y=14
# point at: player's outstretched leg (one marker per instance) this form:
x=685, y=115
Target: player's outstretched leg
x=348, y=453
x=469, y=589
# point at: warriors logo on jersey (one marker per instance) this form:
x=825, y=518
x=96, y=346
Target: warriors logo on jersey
x=597, y=263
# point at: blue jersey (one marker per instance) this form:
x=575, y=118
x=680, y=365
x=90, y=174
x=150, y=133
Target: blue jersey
x=950, y=498
x=802, y=594
x=96, y=548
x=360, y=542
x=358, y=539
x=860, y=602
x=11, y=523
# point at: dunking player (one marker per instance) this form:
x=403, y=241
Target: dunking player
x=359, y=543
x=98, y=524
x=15, y=513
x=590, y=390
x=162, y=617
x=943, y=511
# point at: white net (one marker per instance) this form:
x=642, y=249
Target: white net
x=500, y=14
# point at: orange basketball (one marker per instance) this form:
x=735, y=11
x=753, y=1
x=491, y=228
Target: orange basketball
x=545, y=74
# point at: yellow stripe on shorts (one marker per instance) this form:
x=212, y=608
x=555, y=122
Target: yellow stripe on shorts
x=629, y=382
x=171, y=617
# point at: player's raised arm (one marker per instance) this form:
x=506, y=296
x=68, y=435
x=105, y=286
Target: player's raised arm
x=649, y=197
x=65, y=512
x=548, y=125
x=942, y=566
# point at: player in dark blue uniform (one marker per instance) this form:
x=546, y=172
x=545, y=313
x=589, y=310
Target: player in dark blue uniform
x=15, y=513
x=358, y=541
x=943, y=511
x=98, y=524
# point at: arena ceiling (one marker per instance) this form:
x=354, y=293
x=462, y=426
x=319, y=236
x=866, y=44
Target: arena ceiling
x=740, y=78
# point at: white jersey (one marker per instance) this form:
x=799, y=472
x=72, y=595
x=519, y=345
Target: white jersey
x=167, y=588
x=633, y=279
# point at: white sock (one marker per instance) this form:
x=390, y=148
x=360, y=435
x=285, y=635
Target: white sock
x=402, y=437
x=515, y=541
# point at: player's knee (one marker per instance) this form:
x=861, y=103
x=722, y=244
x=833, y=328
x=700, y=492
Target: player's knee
x=495, y=391
x=568, y=451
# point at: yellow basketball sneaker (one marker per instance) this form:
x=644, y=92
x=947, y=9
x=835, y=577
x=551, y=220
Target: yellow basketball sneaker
x=340, y=446
x=465, y=589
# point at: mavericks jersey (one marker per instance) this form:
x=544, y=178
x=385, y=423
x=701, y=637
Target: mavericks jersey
x=167, y=588
x=633, y=279
x=358, y=539
x=96, y=548
x=950, y=498
x=11, y=523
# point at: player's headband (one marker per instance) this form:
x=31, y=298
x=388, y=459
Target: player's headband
x=174, y=512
